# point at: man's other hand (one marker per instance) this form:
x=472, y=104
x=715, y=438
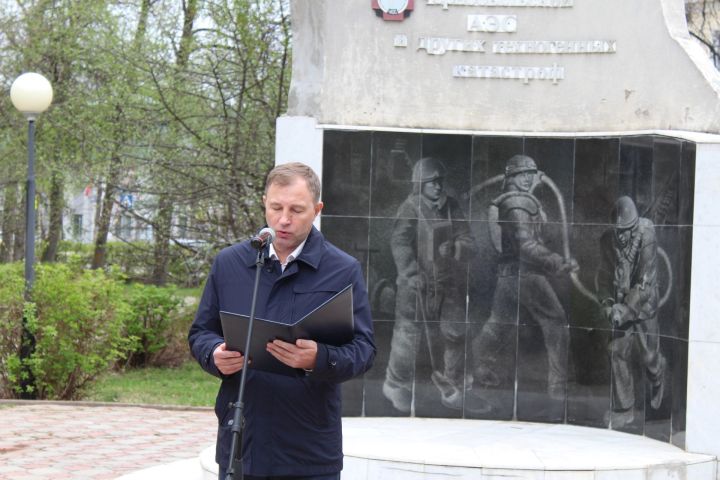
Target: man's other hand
x=621, y=315
x=569, y=265
x=301, y=354
x=227, y=361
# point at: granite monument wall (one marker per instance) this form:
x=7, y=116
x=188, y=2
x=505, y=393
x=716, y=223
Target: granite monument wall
x=481, y=314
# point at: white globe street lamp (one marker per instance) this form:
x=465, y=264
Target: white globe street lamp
x=31, y=94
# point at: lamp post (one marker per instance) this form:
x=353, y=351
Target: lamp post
x=31, y=94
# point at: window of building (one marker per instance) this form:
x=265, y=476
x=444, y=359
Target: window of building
x=77, y=226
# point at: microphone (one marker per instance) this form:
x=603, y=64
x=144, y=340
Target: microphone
x=263, y=237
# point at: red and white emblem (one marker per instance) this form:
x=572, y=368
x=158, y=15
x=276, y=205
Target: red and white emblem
x=395, y=10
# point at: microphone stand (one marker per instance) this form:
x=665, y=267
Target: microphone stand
x=238, y=425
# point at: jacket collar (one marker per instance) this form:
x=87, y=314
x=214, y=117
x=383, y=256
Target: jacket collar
x=313, y=250
x=311, y=253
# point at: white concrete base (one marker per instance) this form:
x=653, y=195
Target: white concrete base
x=208, y=465
x=418, y=448
x=180, y=470
x=438, y=449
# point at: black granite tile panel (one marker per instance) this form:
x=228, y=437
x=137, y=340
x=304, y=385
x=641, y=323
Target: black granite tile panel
x=346, y=173
x=352, y=397
x=489, y=156
x=596, y=178
x=382, y=273
x=682, y=275
x=399, y=267
x=678, y=382
x=393, y=157
x=491, y=364
x=455, y=152
x=377, y=403
x=636, y=171
x=673, y=280
x=588, y=392
x=627, y=382
x=555, y=158
x=667, y=156
x=658, y=416
x=584, y=310
x=483, y=274
x=493, y=294
x=350, y=234
x=542, y=364
x=686, y=197
x=544, y=299
x=440, y=370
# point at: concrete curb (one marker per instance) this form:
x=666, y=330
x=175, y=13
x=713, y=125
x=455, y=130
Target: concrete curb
x=83, y=403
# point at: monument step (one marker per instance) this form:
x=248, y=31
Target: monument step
x=420, y=448
x=437, y=449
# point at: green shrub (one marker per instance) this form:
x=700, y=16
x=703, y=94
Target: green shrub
x=158, y=320
x=86, y=322
x=75, y=254
x=77, y=319
x=11, y=311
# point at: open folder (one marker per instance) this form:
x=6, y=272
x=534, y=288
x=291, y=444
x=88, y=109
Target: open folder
x=330, y=323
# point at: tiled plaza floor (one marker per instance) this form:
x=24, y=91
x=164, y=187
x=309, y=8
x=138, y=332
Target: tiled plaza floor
x=57, y=441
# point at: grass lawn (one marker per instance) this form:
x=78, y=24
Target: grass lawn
x=195, y=292
x=187, y=385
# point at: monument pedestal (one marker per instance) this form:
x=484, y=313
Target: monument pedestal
x=430, y=449
x=421, y=448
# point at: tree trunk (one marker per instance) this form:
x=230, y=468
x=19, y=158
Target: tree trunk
x=280, y=105
x=98, y=206
x=9, y=222
x=57, y=205
x=163, y=232
x=108, y=200
x=19, y=229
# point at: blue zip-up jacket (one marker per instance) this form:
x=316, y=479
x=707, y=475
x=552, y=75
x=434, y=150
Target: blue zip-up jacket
x=293, y=424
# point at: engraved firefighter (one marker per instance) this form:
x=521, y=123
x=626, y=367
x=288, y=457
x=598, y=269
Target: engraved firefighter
x=629, y=298
x=431, y=244
x=516, y=220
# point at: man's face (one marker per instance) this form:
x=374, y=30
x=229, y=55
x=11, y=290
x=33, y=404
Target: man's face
x=290, y=211
x=523, y=180
x=623, y=235
x=433, y=189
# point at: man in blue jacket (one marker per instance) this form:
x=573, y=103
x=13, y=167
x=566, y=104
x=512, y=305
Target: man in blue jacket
x=292, y=424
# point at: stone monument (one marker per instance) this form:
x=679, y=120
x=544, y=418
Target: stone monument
x=531, y=188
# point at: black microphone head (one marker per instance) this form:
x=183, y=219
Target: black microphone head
x=269, y=233
x=264, y=237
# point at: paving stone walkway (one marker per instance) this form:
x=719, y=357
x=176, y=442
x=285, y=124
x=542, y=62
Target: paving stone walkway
x=42, y=440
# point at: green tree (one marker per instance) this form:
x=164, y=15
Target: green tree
x=173, y=102
x=224, y=111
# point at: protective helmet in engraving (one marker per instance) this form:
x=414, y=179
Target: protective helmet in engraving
x=428, y=169
x=518, y=164
x=625, y=214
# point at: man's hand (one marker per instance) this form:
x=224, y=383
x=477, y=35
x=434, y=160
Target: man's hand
x=227, y=361
x=621, y=315
x=447, y=249
x=302, y=354
x=569, y=266
x=416, y=282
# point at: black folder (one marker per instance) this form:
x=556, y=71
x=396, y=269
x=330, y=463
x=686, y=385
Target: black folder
x=330, y=323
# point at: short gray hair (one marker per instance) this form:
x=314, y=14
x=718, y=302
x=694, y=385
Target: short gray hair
x=286, y=174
